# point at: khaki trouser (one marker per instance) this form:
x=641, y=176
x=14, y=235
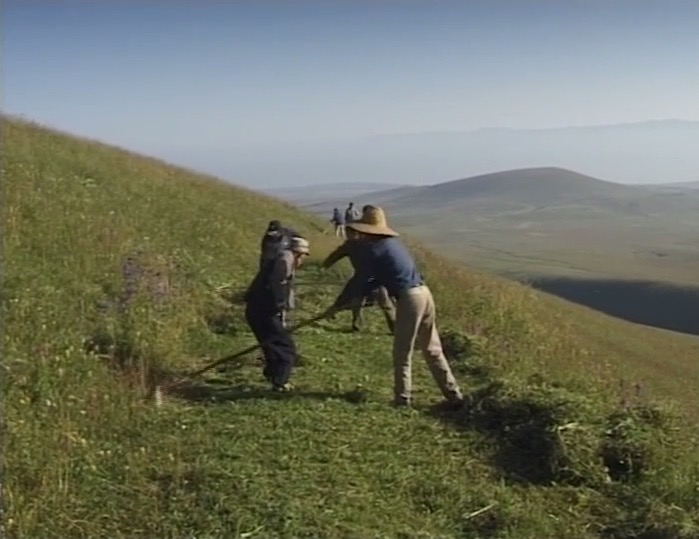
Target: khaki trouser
x=416, y=326
x=385, y=303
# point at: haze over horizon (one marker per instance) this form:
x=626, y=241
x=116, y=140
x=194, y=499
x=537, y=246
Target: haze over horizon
x=269, y=94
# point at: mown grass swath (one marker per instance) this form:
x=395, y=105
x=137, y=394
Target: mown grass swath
x=120, y=270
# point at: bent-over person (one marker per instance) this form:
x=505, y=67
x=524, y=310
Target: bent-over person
x=277, y=239
x=352, y=249
x=266, y=300
x=385, y=258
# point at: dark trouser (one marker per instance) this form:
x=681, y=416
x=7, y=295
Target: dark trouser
x=277, y=345
x=385, y=303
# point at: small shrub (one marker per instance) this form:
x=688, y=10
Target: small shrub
x=231, y=294
x=119, y=350
x=221, y=321
x=464, y=353
x=629, y=437
x=145, y=272
x=545, y=436
x=358, y=395
x=635, y=515
x=457, y=346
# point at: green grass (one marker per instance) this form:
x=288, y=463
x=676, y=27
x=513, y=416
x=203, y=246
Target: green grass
x=565, y=246
x=86, y=453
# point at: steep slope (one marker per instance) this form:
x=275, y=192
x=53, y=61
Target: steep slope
x=114, y=270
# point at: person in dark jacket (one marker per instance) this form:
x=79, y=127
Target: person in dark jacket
x=352, y=249
x=339, y=221
x=385, y=258
x=266, y=300
x=276, y=239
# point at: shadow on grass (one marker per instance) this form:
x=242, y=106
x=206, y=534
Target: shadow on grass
x=207, y=393
x=348, y=330
x=222, y=322
x=334, y=329
x=650, y=303
x=525, y=449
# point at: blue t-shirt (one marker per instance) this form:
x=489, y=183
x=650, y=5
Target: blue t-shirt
x=338, y=218
x=391, y=266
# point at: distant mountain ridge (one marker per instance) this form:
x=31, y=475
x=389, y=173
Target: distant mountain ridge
x=531, y=185
x=320, y=192
x=675, y=187
x=545, y=200
x=622, y=126
x=524, y=191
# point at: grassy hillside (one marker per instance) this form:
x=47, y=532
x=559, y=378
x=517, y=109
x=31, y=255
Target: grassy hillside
x=118, y=268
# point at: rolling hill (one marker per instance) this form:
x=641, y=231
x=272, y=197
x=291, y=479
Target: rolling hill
x=528, y=191
x=120, y=271
x=546, y=200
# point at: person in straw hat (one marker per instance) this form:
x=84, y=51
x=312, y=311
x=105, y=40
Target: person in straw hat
x=352, y=249
x=266, y=299
x=388, y=261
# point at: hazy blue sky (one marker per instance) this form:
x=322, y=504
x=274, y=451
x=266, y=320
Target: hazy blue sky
x=206, y=79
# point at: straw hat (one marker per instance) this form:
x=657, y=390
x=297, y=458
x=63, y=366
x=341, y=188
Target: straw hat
x=373, y=222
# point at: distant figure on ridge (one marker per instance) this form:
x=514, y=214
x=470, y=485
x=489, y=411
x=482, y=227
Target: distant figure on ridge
x=351, y=214
x=352, y=248
x=387, y=260
x=266, y=300
x=339, y=221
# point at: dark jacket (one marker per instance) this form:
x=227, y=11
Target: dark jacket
x=338, y=218
x=270, y=289
x=274, y=242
